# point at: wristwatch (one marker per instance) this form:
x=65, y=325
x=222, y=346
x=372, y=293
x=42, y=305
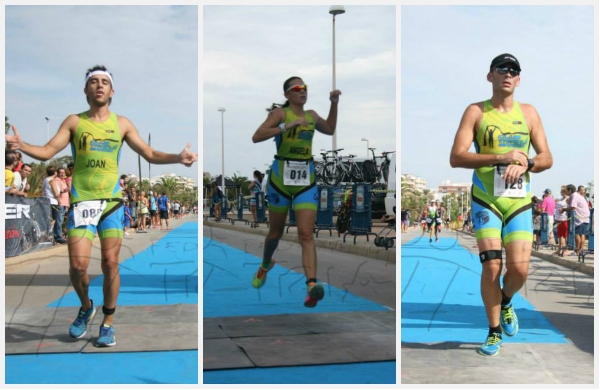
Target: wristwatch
x=530, y=164
x=282, y=126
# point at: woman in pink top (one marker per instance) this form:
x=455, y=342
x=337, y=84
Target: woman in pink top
x=582, y=216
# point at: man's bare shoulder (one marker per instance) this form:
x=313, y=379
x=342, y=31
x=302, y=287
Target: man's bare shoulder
x=527, y=108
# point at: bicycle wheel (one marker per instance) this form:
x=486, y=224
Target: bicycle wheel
x=356, y=174
x=331, y=175
x=369, y=171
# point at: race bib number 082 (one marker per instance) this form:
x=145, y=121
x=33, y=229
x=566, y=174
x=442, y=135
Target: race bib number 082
x=508, y=190
x=296, y=173
x=88, y=212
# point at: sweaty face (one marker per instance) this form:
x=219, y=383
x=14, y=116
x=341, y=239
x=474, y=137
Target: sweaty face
x=99, y=90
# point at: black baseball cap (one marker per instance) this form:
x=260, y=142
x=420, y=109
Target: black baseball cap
x=505, y=59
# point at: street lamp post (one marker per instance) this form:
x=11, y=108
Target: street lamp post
x=48, y=128
x=222, y=110
x=335, y=10
x=364, y=139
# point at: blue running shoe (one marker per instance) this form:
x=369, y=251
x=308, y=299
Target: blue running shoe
x=107, y=336
x=508, y=321
x=78, y=328
x=492, y=344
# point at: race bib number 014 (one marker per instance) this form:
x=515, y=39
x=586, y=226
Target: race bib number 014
x=508, y=190
x=296, y=173
x=88, y=212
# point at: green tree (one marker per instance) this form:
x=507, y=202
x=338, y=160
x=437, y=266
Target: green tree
x=170, y=186
x=242, y=182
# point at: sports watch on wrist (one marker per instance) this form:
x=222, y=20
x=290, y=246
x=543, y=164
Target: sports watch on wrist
x=282, y=126
x=530, y=164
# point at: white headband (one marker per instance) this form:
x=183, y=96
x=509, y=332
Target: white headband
x=99, y=72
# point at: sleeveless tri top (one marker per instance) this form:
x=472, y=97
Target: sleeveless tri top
x=296, y=144
x=96, y=148
x=500, y=133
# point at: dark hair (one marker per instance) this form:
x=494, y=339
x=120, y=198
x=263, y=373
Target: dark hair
x=571, y=188
x=258, y=175
x=286, y=85
x=9, y=158
x=123, y=176
x=95, y=68
x=50, y=170
x=26, y=165
x=18, y=155
x=71, y=165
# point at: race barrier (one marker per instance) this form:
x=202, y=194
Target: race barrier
x=27, y=224
x=571, y=229
x=324, y=210
x=360, y=212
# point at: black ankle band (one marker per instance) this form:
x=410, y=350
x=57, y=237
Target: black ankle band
x=311, y=280
x=108, y=312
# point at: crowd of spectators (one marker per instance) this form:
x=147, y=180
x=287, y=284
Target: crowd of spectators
x=141, y=212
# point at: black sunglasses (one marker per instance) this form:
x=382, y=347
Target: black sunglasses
x=512, y=72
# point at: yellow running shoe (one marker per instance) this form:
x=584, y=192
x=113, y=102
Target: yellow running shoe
x=260, y=277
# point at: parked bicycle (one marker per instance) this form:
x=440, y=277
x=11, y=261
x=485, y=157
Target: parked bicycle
x=373, y=172
x=340, y=169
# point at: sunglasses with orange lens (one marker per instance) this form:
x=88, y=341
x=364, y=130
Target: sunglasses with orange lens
x=297, y=88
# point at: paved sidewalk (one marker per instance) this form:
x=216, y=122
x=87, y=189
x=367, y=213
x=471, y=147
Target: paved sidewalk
x=362, y=245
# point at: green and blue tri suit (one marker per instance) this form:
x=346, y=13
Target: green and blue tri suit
x=501, y=210
x=292, y=176
x=96, y=148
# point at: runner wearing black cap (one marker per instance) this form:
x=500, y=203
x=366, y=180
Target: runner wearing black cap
x=502, y=131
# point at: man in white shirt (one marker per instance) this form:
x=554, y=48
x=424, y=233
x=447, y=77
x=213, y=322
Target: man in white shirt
x=20, y=181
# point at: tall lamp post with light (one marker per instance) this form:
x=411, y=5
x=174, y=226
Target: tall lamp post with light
x=222, y=110
x=335, y=10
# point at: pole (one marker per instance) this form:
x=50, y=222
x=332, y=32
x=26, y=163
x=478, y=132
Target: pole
x=222, y=110
x=334, y=138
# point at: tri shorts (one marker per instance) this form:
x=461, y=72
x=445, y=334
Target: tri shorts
x=109, y=226
x=280, y=196
x=505, y=218
x=508, y=219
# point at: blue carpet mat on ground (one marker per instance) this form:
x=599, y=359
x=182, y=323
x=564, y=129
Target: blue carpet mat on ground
x=169, y=367
x=228, y=291
x=363, y=373
x=166, y=273
x=441, y=299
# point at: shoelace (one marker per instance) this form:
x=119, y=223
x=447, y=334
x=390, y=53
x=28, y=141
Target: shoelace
x=508, y=315
x=493, y=339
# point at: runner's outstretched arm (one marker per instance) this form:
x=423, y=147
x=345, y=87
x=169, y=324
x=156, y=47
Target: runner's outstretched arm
x=43, y=153
x=132, y=137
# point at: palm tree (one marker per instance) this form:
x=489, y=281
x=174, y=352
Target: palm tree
x=242, y=182
x=169, y=185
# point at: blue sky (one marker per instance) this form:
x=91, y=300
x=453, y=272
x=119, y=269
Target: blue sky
x=250, y=51
x=445, y=56
x=152, y=52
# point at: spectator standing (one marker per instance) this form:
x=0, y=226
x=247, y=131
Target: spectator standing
x=217, y=197
x=548, y=206
x=132, y=197
x=404, y=219
x=153, y=211
x=126, y=217
x=176, y=209
x=143, y=207
x=52, y=193
x=63, y=189
x=18, y=162
x=255, y=187
x=561, y=220
x=9, y=176
x=20, y=181
x=163, y=209
x=578, y=203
